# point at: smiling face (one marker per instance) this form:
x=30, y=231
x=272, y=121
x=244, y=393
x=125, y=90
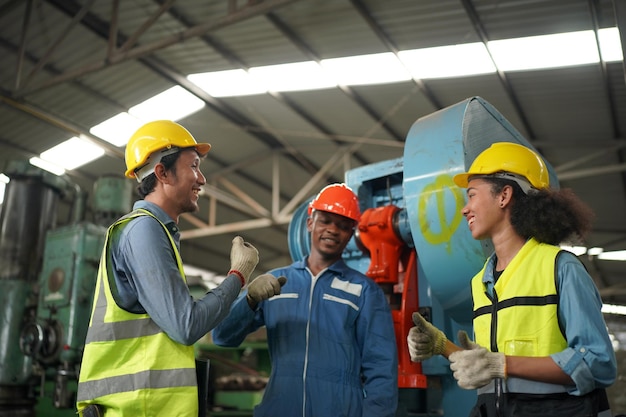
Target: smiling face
x=182, y=184
x=330, y=233
x=484, y=210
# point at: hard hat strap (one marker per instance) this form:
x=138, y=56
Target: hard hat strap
x=523, y=183
x=154, y=158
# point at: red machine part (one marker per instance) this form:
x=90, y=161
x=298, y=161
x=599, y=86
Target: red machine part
x=394, y=266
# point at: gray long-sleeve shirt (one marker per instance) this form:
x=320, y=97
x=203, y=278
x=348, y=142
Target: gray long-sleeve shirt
x=147, y=279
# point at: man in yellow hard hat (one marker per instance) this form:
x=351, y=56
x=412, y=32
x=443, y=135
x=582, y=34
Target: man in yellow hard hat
x=330, y=331
x=138, y=359
x=541, y=345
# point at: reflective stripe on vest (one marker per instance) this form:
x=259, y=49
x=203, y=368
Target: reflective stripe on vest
x=127, y=356
x=521, y=318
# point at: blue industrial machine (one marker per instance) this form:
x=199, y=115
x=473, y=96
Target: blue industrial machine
x=413, y=241
x=47, y=279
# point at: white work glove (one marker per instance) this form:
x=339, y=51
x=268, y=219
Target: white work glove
x=424, y=340
x=243, y=259
x=475, y=366
x=263, y=287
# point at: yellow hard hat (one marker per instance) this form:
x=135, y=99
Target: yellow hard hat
x=160, y=135
x=508, y=158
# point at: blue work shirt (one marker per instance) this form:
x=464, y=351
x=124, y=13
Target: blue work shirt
x=331, y=341
x=589, y=358
x=147, y=279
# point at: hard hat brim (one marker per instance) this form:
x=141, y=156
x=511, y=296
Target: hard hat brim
x=203, y=148
x=462, y=180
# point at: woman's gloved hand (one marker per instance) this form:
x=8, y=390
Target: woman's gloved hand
x=475, y=366
x=425, y=340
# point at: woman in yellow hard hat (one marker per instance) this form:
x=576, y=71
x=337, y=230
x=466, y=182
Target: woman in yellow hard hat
x=541, y=345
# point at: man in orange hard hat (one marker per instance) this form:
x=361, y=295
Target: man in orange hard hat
x=330, y=331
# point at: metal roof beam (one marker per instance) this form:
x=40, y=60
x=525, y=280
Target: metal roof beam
x=593, y=6
x=244, y=13
x=235, y=60
x=482, y=35
x=22, y=47
x=619, y=7
x=102, y=29
x=385, y=39
x=307, y=50
x=48, y=54
x=605, y=78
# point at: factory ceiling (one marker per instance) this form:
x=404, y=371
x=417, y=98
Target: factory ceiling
x=69, y=65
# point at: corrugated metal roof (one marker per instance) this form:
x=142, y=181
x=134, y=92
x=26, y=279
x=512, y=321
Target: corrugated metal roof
x=566, y=112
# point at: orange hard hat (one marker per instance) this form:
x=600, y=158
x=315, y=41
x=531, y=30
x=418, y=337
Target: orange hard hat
x=338, y=199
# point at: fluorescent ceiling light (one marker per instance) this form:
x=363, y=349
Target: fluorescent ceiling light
x=610, y=45
x=4, y=180
x=48, y=166
x=366, y=69
x=448, y=61
x=546, y=51
x=617, y=255
x=118, y=129
x=599, y=253
x=594, y=251
x=613, y=309
x=227, y=83
x=576, y=250
x=536, y=52
x=291, y=77
x=72, y=153
x=172, y=104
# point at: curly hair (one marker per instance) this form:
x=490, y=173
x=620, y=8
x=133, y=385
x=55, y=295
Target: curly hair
x=549, y=216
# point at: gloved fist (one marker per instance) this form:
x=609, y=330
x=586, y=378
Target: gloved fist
x=243, y=259
x=475, y=366
x=263, y=287
x=425, y=340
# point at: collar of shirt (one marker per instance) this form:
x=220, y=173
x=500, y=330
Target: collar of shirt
x=488, y=278
x=338, y=267
x=160, y=214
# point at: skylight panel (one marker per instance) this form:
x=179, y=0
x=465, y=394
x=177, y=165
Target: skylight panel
x=227, y=83
x=72, y=153
x=610, y=45
x=4, y=180
x=616, y=255
x=613, y=309
x=366, y=69
x=546, y=51
x=47, y=165
x=172, y=104
x=462, y=60
x=448, y=61
x=295, y=76
x=576, y=250
x=118, y=129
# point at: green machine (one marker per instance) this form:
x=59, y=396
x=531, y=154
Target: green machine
x=47, y=279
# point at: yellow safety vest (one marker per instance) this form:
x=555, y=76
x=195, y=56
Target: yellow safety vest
x=521, y=318
x=130, y=366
